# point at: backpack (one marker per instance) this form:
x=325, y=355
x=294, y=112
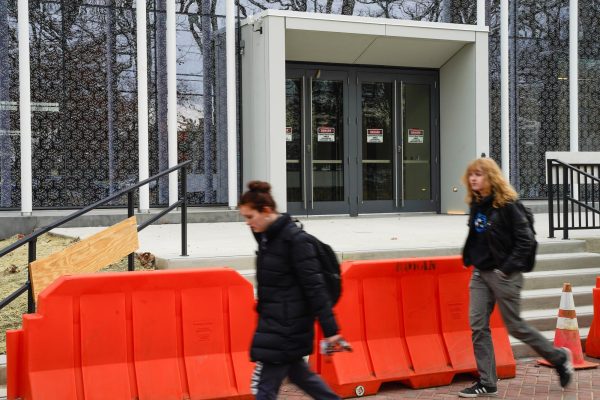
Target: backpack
x=330, y=266
x=529, y=215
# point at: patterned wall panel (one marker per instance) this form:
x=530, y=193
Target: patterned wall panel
x=589, y=76
x=84, y=90
x=542, y=101
x=10, y=195
x=84, y=122
x=493, y=20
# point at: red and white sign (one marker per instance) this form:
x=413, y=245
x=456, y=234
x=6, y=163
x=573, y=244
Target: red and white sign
x=374, y=135
x=416, y=135
x=325, y=134
x=288, y=134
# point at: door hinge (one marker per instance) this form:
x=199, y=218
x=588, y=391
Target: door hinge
x=435, y=84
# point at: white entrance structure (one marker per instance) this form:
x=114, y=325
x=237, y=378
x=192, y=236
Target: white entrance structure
x=459, y=52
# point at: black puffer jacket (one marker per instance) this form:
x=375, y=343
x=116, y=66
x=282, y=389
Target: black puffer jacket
x=291, y=293
x=510, y=238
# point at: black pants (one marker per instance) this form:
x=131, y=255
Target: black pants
x=267, y=379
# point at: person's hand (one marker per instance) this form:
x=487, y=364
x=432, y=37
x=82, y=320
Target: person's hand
x=500, y=273
x=334, y=344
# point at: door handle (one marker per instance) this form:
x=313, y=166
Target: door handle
x=395, y=138
x=402, y=140
x=302, y=141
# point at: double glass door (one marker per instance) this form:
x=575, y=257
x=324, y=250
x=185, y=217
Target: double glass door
x=360, y=142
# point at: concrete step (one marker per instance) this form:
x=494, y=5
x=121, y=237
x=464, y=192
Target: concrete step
x=521, y=350
x=542, y=298
x=561, y=261
x=555, y=279
x=247, y=261
x=545, y=320
x=177, y=262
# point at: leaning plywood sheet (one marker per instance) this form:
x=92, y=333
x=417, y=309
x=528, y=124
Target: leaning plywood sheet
x=88, y=255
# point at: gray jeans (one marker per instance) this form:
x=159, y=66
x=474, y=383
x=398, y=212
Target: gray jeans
x=486, y=289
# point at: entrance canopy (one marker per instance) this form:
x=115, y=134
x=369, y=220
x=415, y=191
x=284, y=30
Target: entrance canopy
x=459, y=52
x=373, y=41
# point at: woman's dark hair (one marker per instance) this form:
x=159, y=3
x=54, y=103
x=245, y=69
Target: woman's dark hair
x=258, y=196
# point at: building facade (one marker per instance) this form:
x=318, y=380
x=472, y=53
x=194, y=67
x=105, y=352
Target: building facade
x=85, y=124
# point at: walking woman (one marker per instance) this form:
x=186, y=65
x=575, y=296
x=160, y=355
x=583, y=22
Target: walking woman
x=499, y=245
x=291, y=294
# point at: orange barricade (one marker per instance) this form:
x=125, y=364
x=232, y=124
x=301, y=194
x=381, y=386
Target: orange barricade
x=408, y=321
x=148, y=335
x=592, y=343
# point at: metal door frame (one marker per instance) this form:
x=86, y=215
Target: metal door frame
x=352, y=117
x=309, y=206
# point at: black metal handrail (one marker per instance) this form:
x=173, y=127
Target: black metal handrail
x=575, y=190
x=31, y=239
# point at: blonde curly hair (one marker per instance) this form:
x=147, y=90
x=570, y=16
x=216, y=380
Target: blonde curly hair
x=502, y=189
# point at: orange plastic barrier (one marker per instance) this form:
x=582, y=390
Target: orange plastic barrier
x=408, y=321
x=145, y=335
x=592, y=343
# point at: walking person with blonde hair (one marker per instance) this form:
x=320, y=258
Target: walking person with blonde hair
x=500, y=245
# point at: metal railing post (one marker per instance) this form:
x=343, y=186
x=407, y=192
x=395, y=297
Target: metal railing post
x=565, y=197
x=184, y=212
x=550, y=178
x=31, y=258
x=130, y=213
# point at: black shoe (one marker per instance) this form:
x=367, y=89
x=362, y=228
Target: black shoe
x=479, y=390
x=565, y=370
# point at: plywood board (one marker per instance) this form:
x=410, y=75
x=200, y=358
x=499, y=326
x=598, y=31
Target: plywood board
x=89, y=255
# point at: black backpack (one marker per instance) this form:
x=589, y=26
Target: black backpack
x=330, y=267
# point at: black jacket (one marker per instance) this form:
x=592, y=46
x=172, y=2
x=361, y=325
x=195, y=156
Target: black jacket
x=291, y=293
x=511, y=241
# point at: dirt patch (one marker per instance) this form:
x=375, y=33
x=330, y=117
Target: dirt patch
x=13, y=274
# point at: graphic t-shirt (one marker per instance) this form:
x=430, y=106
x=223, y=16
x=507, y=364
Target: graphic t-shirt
x=480, y=251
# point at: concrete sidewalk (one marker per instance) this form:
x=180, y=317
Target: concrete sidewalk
x=532, y=382
x=405, y=233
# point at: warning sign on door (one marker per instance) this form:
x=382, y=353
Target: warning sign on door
x=416, y=135
x=288, y=134
x=374, y=135
x=325, y=134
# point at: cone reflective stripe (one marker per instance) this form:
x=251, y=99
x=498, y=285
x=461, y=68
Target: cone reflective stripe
x=567, y=330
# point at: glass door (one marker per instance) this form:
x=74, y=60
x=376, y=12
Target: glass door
x=416, y=145
x=361, y=140
x=376, y=144
x=316, y=142
x=294, y=143
x=395, y=142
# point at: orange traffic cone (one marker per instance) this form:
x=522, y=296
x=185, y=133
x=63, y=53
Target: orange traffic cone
x=567, y=330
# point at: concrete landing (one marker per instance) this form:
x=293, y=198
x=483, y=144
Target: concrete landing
x=383, y=236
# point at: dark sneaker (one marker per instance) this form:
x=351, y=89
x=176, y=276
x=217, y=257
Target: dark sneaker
x=565, y=370
x=479, y=390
